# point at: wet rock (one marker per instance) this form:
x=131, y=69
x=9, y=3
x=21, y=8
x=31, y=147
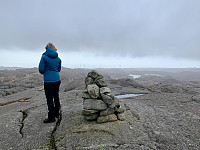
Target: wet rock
x=108, y=118
x=94, y=104
x=93, y=90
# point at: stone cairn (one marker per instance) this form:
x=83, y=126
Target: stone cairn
x=98, y=102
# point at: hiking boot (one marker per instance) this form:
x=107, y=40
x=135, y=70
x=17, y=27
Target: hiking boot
x=49, y=120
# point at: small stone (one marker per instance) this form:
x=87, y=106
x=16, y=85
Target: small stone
x=114, y=104
x=94, y=104
x=92, y=117
x=101, y=82
x=93, y=90
x=121, y=117
x=94, y=74
x=107, y=112
x=108, y=118
x=86, y=95
x=104, y=90
x=87, y=112
x=88, y=81
x=119, y=110
x=107, y=99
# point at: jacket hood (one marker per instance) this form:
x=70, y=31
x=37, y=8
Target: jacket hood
x=51, y=53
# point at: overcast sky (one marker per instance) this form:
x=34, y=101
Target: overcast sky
x=101, y=33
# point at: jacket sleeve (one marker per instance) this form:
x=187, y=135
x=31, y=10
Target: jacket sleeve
x=42, y=65
x=59, y=68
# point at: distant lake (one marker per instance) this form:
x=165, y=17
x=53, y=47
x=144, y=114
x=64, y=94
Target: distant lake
x=153, y=75
x=135, y=76
x=127, y=95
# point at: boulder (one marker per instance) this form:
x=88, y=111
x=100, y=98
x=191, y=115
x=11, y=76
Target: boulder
x=104, y=90
x=107, y=112
x=108, y=118
x=94, y=104
x=93, y=90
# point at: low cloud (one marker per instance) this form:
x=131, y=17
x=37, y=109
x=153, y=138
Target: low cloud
x=137, y=28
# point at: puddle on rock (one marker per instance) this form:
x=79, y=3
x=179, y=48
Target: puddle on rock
x=128, y=95
x=135, y=76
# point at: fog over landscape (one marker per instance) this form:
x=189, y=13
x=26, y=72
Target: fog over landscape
x=130, y=77
x=102, y=34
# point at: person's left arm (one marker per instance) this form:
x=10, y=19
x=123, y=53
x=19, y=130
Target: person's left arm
x=59, y=68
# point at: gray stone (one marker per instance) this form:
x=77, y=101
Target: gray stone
x=93, y=90
x=94, y=104
x=91, y=117
x=119, y=110
x=88, y=81
x=108, y=118
x=86, y=95
x=104, y=90
x=121, y=116
x=94, y=74
x=101, y=82
x=87, y=112
x=107, y=99
x=114, y=104
x=107, y=112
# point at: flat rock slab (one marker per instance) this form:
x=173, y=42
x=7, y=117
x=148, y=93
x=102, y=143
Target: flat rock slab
x=21, y=123
x=77, y=133
x=10, y=136
x=153, y=121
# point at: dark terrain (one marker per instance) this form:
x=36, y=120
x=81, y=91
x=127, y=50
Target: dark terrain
x=166, y=117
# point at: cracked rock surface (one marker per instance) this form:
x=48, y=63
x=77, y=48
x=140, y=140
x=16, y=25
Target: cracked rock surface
x=156, y=120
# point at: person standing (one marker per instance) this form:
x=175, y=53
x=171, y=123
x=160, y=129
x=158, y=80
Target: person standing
x=50, y=66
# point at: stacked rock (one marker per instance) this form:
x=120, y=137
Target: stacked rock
x=98, y=102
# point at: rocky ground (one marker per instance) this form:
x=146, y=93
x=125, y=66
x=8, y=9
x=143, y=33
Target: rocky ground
x=166, y=117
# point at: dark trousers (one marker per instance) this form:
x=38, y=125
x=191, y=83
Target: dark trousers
x=52, y=96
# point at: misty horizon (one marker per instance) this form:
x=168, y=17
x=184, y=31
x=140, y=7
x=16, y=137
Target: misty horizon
x=105, y=34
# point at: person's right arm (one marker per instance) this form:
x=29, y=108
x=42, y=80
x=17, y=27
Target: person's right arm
x=42, y=65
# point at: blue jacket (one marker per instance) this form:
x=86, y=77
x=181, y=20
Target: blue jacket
x=50, y=66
